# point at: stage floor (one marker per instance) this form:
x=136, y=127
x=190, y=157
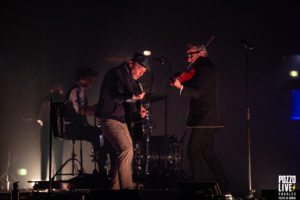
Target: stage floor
x=163, y=187
x=145, y=194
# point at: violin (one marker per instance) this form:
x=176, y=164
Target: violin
x=189, y=70
x=186, y=75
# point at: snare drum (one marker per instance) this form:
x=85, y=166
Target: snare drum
x=164, y=156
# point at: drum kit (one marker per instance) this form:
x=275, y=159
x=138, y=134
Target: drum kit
x=153, y=155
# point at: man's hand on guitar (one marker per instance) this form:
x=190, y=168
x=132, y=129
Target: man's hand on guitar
x=138, y=96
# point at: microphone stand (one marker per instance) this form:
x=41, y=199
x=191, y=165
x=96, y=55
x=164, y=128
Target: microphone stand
x=251, y=191
x=166, y=97
x=164, y=60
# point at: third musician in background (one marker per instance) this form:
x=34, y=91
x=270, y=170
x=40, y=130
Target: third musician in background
x=77, y=126
x=204, y=114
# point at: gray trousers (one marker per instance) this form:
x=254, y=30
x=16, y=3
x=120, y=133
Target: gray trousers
x=118, y=135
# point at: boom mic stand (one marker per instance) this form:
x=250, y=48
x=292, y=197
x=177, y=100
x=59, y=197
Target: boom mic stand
x=164, y=60
x=166, y=95
x=247, y=48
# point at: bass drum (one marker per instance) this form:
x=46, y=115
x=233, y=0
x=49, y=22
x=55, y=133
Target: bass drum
x=165, y=155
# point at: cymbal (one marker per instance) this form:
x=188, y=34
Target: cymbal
x=154, y=97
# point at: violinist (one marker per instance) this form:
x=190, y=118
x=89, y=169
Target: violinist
x=199, y=83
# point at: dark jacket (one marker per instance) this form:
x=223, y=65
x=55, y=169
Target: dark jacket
x=117, y=87
x=202, y=90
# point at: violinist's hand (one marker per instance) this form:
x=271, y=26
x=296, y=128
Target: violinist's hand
x=139, y=96
x=143, y=112
x=176, y=83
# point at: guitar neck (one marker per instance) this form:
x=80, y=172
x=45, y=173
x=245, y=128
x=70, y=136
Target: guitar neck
x=141, y=87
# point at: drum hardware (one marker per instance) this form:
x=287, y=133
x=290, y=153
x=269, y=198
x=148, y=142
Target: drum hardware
x=156, y=154
x=141, y=147
x=165, y=157
x=98, y=155
x=75, y=163
x=147, y=155
x=153, y=155
x=107, y=158
x=58, y=113
x=149, y=125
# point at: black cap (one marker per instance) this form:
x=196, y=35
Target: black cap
x=142, y=60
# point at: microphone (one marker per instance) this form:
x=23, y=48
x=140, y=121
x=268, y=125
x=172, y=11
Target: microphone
x=162, y=60
x=247, y=45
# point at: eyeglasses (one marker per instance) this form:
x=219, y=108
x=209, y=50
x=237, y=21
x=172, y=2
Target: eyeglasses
x=191, y=54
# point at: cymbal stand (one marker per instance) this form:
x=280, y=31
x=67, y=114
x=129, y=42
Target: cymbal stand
x=148, y=130
x=74, y=162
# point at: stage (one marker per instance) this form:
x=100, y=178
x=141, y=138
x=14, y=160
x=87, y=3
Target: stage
x=90, y=187
x=145, y=194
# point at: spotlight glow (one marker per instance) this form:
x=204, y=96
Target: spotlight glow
x=293, y=73
x=22, y=172
x=147, y=53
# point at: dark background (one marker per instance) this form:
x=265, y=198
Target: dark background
x=42, y=43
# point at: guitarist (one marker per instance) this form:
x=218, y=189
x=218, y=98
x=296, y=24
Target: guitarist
x=120, y=85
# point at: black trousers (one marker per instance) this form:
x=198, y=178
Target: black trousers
x=201, y=148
